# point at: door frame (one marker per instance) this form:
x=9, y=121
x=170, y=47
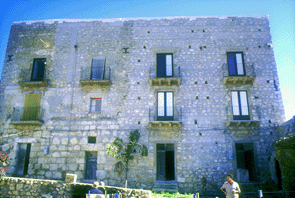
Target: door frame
x=26, y=159
x=254, y=158
x=86, y=162
x=156, y=161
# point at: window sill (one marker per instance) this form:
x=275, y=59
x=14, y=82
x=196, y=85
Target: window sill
x=243, y=123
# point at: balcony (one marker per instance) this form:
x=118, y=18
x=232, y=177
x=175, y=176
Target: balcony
x=238, y=80
x=174, y=121
x=165, y=81
x=27, y=81
x=86, y=78
x=27, y=116
x=251, y=122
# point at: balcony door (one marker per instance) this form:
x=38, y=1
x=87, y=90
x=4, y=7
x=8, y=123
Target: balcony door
x=165, y=106
x=235, y=64
x=38, y=72
x=97, y=68
x=240, y=105
x=164, y=65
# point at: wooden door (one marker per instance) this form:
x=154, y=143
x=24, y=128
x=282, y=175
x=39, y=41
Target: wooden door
x=23, y=157
x=91, y=165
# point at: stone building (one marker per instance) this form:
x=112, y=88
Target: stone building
x=202, y=91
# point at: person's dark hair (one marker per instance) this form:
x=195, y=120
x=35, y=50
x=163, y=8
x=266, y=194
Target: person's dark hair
x=229, y=175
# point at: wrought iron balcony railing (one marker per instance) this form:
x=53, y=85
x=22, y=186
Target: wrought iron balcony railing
x=253, y=119
x=27, y=116
x=154, y=80
x=87, y=78
x=170, y=121
x=247, y=79
x=27, y=80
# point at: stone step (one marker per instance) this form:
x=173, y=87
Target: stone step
x=159, y=190
x=251, y=187
x=170, y=187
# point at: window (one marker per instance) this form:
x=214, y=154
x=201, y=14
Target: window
x=31, y=107
x=95, y=105
x=38, y=72
x=164, y=65
x=240, y=105
x=91, y=139
x=97, y=68
x=165, y=106
x=235, y=64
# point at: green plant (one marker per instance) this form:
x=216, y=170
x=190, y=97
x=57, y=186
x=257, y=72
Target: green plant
x=126, y=152
x=4, y=160
x=168, y=195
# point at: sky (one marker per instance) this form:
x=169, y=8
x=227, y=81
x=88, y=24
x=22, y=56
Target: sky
x=281, y=17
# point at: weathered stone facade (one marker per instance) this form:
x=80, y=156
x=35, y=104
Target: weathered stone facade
x=202, y=140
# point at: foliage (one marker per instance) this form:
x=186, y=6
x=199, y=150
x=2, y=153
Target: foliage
x=126, y=152
x=174, y=195
x=4, y=160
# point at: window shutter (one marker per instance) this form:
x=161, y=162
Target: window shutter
x=97, y=68
x=231, y=64
x=165, y=105
x=235, y=103
x=161, y=62
x=235, y=64
x=244, y=103
x=95, y=105
x=240, y=105
x=169, y=103
x=168, y=65
x=31, y=107
x=240, y=68
x=161, y=103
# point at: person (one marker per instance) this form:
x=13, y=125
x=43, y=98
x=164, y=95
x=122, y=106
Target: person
x=95, y=190
x=231, y=187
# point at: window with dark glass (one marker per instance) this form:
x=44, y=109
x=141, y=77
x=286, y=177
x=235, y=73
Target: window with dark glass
x=164, y=65
x=165, y=106
x=91, y=139
x=235, y=64
x=97, y=68
x=95, y=105
x=240, y=105
x=38, y=72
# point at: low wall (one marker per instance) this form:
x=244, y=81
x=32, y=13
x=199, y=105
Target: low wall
x=25, y=187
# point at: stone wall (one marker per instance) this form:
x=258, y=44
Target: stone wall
x=204, y=144
x=24, y=187
x=285, y=155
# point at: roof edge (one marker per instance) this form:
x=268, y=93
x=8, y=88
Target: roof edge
x=110, y=20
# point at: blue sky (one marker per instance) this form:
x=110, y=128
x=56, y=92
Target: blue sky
x=281, y=15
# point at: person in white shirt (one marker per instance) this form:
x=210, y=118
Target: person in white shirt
x=232, y=189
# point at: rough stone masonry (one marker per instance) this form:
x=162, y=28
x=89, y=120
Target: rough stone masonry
x=203, y=92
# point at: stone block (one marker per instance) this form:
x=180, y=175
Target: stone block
x=71, y=178
x=242, y=175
